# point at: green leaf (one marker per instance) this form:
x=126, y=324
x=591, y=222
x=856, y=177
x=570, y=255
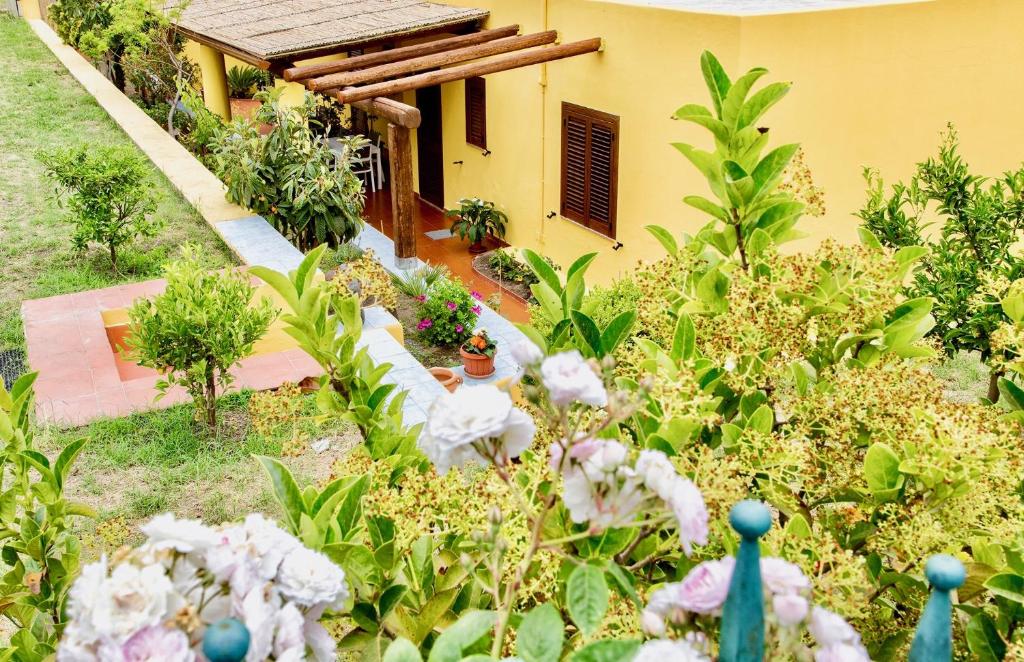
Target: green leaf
x=543, y=270
x=579, y=265
x=733, y=103
x=983, y=639
x=286, y=491
x=589, y=332
x=882, y=470
x=684, y=340
x=617, y=331
x=607, y=651
x=769, y=170
x=665, y=238
x=1013, y=395
x=1007, y=585
x=706, y=206
x=66, y=459
x=402, y=650
x=759, y=104
x=586, y=595
x=469, y=629
x=540, y=635
x=1013, y=306
x=715, y=78
x=280, y=283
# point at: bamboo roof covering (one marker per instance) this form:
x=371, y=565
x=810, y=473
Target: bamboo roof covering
x=277, y=29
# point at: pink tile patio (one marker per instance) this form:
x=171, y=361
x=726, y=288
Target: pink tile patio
x=79, y=378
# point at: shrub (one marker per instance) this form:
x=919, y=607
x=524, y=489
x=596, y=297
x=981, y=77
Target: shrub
x=981, y=223
x=108, y=191
x=40, y=554
x=197, y=329
x=367, y=278
x=72, y=18
x=475, y=219
x=417, y=282
x=290, y=176
x=448, y=313
x=347, y=252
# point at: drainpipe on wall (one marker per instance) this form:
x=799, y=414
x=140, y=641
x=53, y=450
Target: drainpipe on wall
x=543, y=135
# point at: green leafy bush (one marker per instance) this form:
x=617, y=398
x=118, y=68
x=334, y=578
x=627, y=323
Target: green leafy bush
x=347, y=252
x=352, y=388
x=108, y=192
x=475, y=219
x=197, y=329
x=72, y=18
x=980, y=220
x=417, y=282
x=290, y=176
x=448, y=313
x=40, y=553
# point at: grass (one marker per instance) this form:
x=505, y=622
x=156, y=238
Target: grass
x=134, y=468
x=964, y=377
x=43, y=107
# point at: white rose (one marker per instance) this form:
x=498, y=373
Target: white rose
x=842, y=653
x=657, y=473
x=687, y=504
x=258, y=612
x=667, y=650
x=526, y=353
x=183, y=535
x=782, y=577
x=477, y=415
x=289, y=635
x=310, y=579
x=602, y=458
x=130, y=599
x=268, y=543
x=568, y=378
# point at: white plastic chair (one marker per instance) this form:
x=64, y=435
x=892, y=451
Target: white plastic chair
x=360, y=165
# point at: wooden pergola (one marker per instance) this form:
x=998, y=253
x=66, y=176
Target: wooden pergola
x=367, y=81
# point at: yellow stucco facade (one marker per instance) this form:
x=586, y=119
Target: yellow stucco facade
x=872, y=85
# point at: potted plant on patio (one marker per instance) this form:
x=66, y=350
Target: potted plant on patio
x=475, y=219
x=478, y=354
x=243, y=84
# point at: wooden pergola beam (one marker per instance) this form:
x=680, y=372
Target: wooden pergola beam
x=395, y=112
x=294, y=74
x=461, y=72
x=442, y=59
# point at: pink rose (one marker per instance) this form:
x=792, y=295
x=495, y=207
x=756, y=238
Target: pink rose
x=687, y=504
x=702, y=591
x=790, y=609
x=476, y=310
x=829, y=628
x=782, y=577
x=157, y=644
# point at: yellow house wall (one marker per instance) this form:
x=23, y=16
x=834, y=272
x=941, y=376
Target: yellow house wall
x=29, y=9
x=872, y=86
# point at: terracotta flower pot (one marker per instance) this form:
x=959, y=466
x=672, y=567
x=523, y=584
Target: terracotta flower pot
x=477, y=366
x=244, y=107
x=477, y=248
x=448, y=379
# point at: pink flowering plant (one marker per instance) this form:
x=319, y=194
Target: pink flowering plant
x=690, y=610
x=447, y=313
x=156, y=602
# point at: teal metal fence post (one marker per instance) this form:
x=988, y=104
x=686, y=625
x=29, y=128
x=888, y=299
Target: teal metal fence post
x=933, y=641
x=227, y=640
x=742, y=634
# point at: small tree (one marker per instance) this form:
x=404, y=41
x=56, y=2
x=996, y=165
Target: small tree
x=108, y=191
x=980, y=222
x=202, y=325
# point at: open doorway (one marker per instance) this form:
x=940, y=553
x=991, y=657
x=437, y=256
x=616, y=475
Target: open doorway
x=430, y=153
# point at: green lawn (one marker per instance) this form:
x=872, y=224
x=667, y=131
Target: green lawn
x=43, y=107
x=164, y=461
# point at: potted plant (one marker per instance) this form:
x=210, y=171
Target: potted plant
x=243, y=84
x=478, y=354
x=475, y=219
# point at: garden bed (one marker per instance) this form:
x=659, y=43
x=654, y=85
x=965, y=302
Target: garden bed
x=427, y=354
x=516, y=289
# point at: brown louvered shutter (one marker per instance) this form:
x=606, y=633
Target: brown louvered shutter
x=476, y=112
x=589, y=167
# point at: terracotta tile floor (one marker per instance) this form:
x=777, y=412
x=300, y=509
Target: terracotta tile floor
x=80, y=378
x=452, y=252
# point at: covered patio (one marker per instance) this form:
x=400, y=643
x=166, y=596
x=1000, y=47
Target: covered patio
x=449, y=251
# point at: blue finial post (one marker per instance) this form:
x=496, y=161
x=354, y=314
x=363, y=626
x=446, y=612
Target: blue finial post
x=742, y=635
x=227, y=640
x=934, y=639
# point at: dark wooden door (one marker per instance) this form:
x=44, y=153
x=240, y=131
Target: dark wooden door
x=428, y=144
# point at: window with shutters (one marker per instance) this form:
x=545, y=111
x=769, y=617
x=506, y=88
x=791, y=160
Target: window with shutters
x=590, y=167
x=476, y=112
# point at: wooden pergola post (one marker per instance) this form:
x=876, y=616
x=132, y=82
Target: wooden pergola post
x=402, y=195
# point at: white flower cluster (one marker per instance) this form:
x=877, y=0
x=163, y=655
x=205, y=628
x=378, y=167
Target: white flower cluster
x=155, y=602
x=705, y=588
x=603, y=488
x=475, y=424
